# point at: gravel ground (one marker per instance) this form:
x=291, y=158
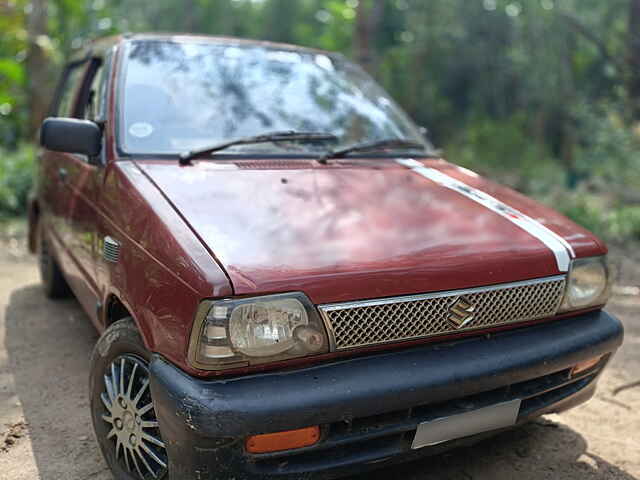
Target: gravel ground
x=45, y=428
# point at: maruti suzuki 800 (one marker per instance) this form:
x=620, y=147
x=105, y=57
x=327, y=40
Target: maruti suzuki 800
x=289, y=281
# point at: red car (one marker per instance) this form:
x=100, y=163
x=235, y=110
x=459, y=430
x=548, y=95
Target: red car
x=289, y=281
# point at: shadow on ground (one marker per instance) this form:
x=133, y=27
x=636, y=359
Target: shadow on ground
x=49, y=346
x=540, y=450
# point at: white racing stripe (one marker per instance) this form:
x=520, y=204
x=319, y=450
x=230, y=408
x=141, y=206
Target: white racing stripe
x=558, y=245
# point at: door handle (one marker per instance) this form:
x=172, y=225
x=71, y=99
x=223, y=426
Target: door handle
x=62, y=174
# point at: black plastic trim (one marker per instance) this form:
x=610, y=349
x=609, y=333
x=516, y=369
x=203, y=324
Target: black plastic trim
x=205, y=420
x=71, y=135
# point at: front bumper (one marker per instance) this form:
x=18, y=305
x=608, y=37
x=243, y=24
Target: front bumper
x=369, y=407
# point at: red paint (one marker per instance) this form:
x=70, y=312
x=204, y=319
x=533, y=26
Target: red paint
x=583, y=242
x=352, y=229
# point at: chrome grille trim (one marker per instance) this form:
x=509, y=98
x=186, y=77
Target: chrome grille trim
x=388, y=320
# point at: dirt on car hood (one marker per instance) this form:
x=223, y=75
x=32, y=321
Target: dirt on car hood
x=365, y=228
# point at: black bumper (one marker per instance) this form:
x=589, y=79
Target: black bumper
x=369, y=407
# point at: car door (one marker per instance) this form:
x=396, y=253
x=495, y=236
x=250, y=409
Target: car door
x=83, y=178
x=55, y=166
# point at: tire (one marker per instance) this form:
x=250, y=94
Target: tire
x=122, y=411
x=51, y=276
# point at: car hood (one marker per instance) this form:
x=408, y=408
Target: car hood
x=365, y=228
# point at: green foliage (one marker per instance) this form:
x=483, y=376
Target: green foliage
x=505, y=150
x=13, y=46
x=613, y=222
x=607, y=167
x=582, y=209
x=16, y=178
x=625, y=223
x=608, y=153
x=532, y=93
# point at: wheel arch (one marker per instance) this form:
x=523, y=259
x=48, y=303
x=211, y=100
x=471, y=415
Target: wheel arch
x=115, y=308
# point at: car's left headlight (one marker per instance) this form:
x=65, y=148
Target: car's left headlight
x=588, y=284
x=240, y=332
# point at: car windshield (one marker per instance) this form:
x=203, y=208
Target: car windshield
x=183, y=96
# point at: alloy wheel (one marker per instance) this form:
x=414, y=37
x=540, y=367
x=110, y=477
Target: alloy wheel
x=130, y=412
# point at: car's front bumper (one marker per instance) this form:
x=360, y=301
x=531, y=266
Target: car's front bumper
x=369, y=407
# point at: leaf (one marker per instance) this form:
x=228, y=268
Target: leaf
x=12, y=70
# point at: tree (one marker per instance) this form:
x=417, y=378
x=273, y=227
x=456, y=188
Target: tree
x=633, y=78
x=368, y=18
x=37, y=64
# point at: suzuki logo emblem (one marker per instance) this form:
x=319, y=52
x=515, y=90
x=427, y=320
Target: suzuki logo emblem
x=461, y=312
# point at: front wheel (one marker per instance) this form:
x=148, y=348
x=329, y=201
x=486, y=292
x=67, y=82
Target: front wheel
x=122, y=410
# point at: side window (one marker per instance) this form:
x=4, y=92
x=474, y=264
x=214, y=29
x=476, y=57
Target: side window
x=69, y=91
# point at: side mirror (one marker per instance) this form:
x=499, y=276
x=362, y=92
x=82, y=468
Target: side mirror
x=71, y=135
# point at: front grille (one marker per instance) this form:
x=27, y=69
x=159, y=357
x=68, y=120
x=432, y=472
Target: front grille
x=373, y=322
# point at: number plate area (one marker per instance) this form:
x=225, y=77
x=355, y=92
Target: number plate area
x=465, y=424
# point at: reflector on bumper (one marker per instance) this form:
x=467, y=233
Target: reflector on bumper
x=288, y=440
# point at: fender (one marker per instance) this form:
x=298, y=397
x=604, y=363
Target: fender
x=162, y=271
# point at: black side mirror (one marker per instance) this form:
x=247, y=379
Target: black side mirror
x=71, y=135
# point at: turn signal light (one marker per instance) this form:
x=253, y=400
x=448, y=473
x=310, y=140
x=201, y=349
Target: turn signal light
x=585, y=365
x=287, y=440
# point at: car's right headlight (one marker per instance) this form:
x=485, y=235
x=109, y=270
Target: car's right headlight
x=588, y=284
x=232, y=333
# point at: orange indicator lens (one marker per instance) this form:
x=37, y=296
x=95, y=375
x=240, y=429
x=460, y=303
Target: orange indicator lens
x=287, y=440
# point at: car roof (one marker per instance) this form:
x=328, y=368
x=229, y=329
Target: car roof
x=100, y=45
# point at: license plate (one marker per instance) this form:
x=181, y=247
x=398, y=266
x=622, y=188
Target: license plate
x=464, y=424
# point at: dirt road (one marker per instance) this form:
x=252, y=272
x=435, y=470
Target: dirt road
x=45, y=430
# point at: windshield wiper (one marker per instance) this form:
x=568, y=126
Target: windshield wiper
x=284, y=136
x=390, y=143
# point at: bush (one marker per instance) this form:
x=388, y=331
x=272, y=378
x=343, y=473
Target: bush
x=608, y=151
x=607, y=162
x=16, y=179
x=505, y=152
x=583, y=209
x=614, y=222
x=624, y=223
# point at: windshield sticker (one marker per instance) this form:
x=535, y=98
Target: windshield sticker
x=558, y=245
x=140, y=129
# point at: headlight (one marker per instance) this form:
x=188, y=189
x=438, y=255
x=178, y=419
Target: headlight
x=588, y=284
x=249, y=331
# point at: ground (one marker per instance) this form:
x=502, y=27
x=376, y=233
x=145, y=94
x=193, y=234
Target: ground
x=45, y=428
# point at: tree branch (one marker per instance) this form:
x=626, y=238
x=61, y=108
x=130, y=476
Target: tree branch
x=589, y=35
